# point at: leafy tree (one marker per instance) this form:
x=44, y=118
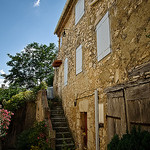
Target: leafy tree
x=31, y=66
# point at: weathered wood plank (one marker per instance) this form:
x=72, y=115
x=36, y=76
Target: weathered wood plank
x=138, y=92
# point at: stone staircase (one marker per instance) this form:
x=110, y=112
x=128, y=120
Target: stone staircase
x=64, y=140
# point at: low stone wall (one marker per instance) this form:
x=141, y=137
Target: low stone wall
x=43, y=113
x=25, y=117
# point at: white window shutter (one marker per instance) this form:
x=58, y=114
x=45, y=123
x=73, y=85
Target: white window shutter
x=60, y=41
x=79, y=59
x=101, y=113
x=103, y=37
x=79, y=10
x=66, y=71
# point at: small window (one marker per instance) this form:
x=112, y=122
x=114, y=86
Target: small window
x=79, y=10
x=103, y=37
x=101, y=113
x=79, y=59
x=66, y=71
x=60, y=40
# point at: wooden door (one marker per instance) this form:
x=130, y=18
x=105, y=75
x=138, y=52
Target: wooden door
x=116, y=114
x=84, y=129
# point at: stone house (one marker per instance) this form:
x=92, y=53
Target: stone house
x=102, y=69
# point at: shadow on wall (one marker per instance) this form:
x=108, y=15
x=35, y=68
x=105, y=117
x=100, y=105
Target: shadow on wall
x=22, y=120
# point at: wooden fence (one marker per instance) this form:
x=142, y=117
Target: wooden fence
x=128, y=105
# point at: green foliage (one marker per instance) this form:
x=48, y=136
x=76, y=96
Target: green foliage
x=136, y=140
x=49, y=80
x=31, y=66
x=35, y=138
x=8, y=93
x=19, y=100
x=42, y=86
x=114, y=143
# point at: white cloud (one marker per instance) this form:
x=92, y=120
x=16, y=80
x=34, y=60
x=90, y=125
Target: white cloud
x=23, y=50
x=2, y=82
x=37, y=3
x=2, y=72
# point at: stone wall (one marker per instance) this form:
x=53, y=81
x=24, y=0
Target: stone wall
x=43, y=114
x=25, y=118
x=22, y=120
x=129, y=28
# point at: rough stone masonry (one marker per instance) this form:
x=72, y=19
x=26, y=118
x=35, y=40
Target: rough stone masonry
x=130, y=47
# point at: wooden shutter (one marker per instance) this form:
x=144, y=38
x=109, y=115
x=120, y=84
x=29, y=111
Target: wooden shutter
x=79, y=59
x=103, y=37
x=60, y=41
x=101, y=113
x=66, y=71
x=79, y=10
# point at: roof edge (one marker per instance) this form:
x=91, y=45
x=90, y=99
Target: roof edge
x=62, y=15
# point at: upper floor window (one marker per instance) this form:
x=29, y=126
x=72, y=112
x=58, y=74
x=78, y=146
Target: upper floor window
x=79, y=59
x=60, y=41
x=103, y=37
x=79, y=10
x=66, y=71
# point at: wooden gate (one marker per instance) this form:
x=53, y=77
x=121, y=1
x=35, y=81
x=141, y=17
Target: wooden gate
x=138, y=105
x=128, y=106
x=116, y=114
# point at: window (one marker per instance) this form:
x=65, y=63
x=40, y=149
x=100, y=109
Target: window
x=101, y=113
x=66, y=71
x=79, y=59
x=60, y=41
x=79, y=10
x=103, y=37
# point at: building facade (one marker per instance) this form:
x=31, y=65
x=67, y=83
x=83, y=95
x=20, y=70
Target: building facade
x=104, y=50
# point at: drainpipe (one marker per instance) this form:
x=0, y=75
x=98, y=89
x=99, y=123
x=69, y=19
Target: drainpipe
x=96, y=120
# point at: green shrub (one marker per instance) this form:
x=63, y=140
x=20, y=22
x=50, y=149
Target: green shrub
x=114, y=143
x=34, y=138
x=18, y=100
x=8, y=93
x=136, y=140
x=42, y=86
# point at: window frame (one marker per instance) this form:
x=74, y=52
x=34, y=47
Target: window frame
x=79, y=58
x=101, y=53
x=66, y=71
x=60, y=41
x=78, y=15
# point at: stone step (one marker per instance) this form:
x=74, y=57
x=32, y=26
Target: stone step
x=57, y=108
x=57, y=116
x=59, y=124
x=63, y=134
x=63, y=141
x=56, y=104
x=69, y=146
x=61, y=129
x=60, y=119
x=57, y=112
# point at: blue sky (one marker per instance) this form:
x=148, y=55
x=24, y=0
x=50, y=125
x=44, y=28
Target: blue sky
x=25, y=21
